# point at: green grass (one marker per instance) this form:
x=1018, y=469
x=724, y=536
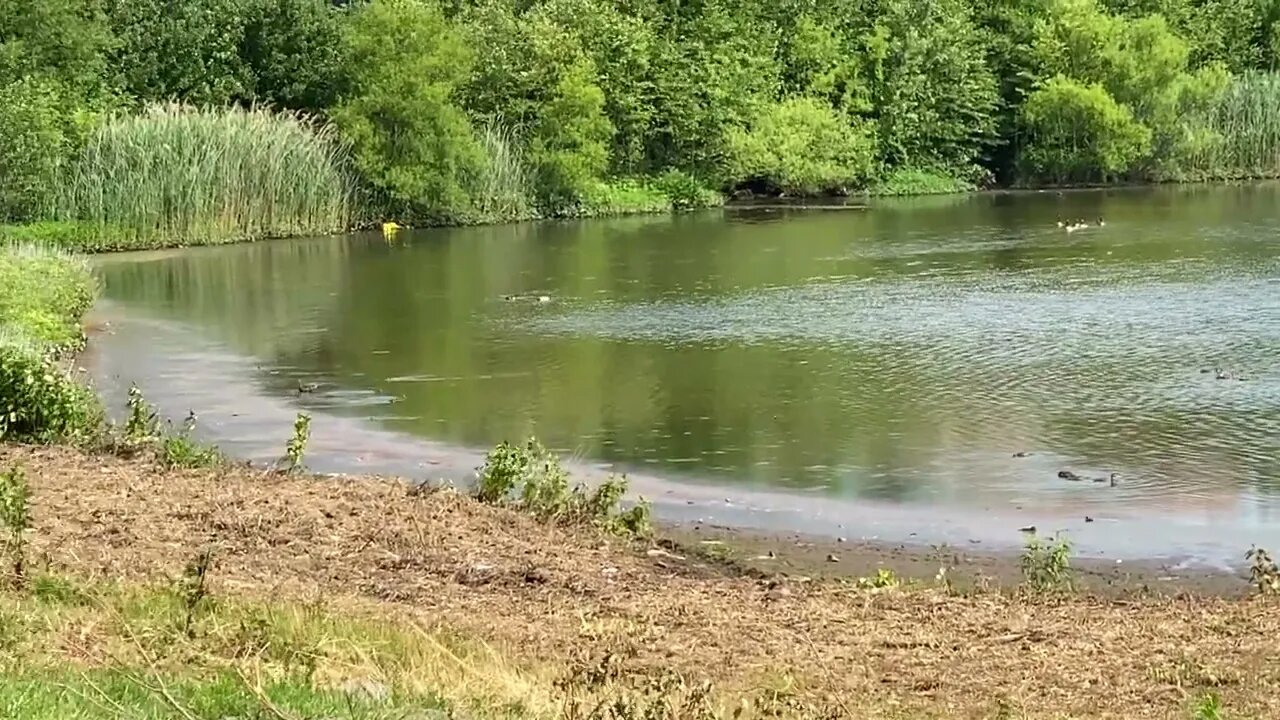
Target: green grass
x=109, y=651
x=175, y=175
x=43, y=294
x=504, y=192
x=635, y=196
x=912, y=181
x=113, y=694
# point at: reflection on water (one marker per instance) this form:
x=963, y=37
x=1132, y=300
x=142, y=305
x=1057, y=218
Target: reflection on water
x=903, y=352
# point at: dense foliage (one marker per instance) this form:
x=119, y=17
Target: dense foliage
x=483, y=110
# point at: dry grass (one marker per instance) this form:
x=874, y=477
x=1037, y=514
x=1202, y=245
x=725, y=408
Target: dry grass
x=540, y=597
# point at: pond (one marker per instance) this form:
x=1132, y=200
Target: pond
x=846, y=365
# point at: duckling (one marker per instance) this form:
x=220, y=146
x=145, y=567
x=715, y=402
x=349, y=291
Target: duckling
x=1068, y=475
x=390, y=228
x=307, y=387
x=1101, y=223
x=544, y=298
x=1061, y=224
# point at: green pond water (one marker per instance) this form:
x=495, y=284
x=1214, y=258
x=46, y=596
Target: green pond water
x=898, y=355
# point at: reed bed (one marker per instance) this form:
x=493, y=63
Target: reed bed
x=179, y=175
x=505, y=188
x=1241, y=131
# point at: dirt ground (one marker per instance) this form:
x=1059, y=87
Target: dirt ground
x=553, y=594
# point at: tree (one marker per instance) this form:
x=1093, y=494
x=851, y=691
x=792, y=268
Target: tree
x=59, y=40
x=1079, y=133
x=293, y=52
x=34, y=144
x=935, y=98
x=187, y=50
x=410, y=140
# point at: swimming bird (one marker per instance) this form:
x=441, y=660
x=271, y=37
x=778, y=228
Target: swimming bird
x=307, y=387
x=1101, y=223
x=1061, y=224
x=544, y=298
x=1111, y=479
x=1068, y=475
x=390, y=228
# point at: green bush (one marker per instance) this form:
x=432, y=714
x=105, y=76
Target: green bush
x=42, y=296
x=685, y=192
x=534, y=477
x=624, y=196
x=800, y=146
x=178, y=175
x=39, y=400
x=1079, y=133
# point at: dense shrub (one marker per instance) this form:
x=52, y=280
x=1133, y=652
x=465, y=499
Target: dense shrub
x=800, y=146
x=42, y=296
x=1079, y=133
x=39, y=400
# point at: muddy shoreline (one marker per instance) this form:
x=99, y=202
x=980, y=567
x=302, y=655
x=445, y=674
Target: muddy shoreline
x=185, y=372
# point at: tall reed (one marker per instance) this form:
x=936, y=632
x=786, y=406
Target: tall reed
x=178, y=174
x=504, y=190
x=1238, y=134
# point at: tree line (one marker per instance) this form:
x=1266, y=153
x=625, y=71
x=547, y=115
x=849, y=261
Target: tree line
x=458, y=110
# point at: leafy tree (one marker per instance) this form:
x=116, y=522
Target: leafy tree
x=801, y=146
x=620, y=47
x=185, y=50
x=818, y=61
x=36, y=143
x=935, y=98
x=1079, y=133
x=410, y=140
x=293, y=52
x=569, y=143
x=60, y=40
x=713, y=68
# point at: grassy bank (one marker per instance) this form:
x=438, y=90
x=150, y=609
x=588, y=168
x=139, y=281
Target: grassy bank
x=362, y=598
x=43, y=294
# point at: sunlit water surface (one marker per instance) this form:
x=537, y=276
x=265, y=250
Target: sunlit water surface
x=862, y=369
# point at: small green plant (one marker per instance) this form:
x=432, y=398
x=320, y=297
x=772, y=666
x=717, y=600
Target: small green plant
x=180, y=450
x=142, y=425
x=534, y=474
x=192, y=588
x=1209, y=707
x=1263, y=573
x=296, y=448
x=15, y=515
x=884, y=578
x=1046, y=565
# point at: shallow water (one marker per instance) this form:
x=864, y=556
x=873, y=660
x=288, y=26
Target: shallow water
x=834, y=366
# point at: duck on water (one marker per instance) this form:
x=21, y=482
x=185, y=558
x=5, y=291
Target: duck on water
x=1068, y=475
x=1079, y=224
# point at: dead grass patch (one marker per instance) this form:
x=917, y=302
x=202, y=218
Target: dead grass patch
x=555, y=597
